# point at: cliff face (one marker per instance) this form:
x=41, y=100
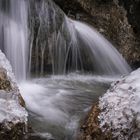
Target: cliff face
x=117, y=20
x=133, y=10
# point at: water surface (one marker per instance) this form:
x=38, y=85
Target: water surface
x=58, y=103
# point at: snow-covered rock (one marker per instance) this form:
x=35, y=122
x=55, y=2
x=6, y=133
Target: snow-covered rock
x=117, y=114
x=120, y=108
x=13, y=115
x=4, y=63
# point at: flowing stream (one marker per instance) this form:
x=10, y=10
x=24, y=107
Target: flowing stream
x=62, y=66
x=58, y=103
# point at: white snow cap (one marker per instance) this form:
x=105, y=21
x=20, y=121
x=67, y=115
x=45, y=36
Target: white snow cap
x=121, y=108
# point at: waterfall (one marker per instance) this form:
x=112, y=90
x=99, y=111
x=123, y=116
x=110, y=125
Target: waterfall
x=62, y=45
x=56, y=44
x=14, y=34
x=103, y=55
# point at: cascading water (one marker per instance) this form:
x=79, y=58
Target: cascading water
x=60, y=46
x=61, y=43
x=14, y=35
x=54, y=44
x=103, y=55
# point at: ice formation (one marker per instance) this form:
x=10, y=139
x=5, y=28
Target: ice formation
x=121, y=108
x=10, y=109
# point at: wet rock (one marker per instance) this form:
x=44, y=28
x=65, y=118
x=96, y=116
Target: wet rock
x=12, y=131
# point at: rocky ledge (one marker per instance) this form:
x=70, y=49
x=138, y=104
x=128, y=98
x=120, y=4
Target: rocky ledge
x=13, y=116
x=117, y=114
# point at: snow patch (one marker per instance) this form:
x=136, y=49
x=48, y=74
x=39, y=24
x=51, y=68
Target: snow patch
x=121, y=108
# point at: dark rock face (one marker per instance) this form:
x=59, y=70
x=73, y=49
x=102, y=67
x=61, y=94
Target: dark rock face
x=112, y=18
x=133, y=13
x=4, y=82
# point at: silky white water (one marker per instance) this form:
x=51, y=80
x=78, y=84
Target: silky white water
x=105, y=58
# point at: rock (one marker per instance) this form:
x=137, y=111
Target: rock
x=120, y=108
x=13, y=115
x=12, y=131
x=117, y=114
x=133, y=10
x=90, y=129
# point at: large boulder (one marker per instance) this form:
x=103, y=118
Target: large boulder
x=13, y=115
x=117, y=115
